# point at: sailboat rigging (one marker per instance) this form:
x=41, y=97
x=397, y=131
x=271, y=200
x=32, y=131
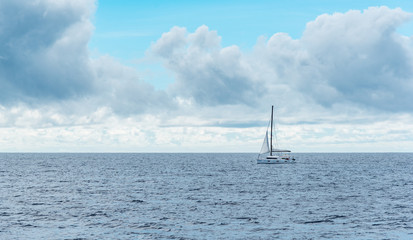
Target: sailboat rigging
x=281, y=156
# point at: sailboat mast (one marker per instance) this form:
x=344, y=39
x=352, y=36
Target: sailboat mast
x=272, y=112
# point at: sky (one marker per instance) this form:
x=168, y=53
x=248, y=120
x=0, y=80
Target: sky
x=191, y=76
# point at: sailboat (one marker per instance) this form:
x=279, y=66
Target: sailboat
x=271, y=155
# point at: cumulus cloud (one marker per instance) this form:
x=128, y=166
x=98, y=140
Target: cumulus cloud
x=347, y=67
x=124, y=92
x=204, y=71
x=355, y=58
x=45, y=60
x=361, y=58
x=43, y=48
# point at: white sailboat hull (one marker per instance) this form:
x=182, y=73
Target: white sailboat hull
x=275, y=161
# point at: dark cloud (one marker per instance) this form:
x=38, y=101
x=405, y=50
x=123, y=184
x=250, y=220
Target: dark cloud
x=44, y=59
x=43, y=50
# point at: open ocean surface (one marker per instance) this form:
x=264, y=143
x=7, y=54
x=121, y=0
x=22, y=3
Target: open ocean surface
x=205, y=196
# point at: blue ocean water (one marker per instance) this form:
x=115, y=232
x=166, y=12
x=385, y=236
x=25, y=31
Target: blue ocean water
x=205, y=196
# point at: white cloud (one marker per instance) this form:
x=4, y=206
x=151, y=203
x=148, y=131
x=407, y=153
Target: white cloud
x=120, y=88
x=206, y=72
x=347, y=82
x=354, y=58
x=361, y=57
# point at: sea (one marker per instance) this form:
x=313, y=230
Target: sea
x=205, y=196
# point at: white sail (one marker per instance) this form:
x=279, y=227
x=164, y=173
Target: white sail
x=265, y=147
x=280, y=156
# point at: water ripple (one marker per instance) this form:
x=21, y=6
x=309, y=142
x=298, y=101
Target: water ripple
x=205, y=196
